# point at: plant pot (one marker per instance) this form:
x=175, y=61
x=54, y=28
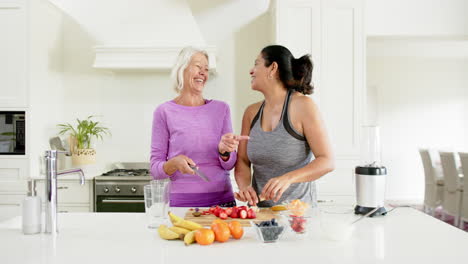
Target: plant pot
x=83, y=157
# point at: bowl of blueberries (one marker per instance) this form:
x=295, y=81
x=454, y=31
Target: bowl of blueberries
x=269, y=231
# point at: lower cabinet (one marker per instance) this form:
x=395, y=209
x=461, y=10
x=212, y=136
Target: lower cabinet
x=71, y=195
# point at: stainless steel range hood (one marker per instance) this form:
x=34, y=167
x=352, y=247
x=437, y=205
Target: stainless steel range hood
x=137, y=34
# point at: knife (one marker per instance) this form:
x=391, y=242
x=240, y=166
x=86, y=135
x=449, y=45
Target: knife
x=199, y=173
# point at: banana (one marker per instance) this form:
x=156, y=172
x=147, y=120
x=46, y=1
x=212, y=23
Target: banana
x=278, y=207
x=189, y=238
x=174, y=218
x=179, y=230
x=187, y=224
x=166, y=233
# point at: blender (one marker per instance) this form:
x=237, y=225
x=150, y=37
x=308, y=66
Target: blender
x=370, y=175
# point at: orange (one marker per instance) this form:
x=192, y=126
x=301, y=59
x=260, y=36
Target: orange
x=217, y=221
x=221, y=232
x=237, y=231
x=204, y=236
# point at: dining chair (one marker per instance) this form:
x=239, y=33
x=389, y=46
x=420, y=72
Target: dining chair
x=434, y=183
x=464, y=205
x=453, y=187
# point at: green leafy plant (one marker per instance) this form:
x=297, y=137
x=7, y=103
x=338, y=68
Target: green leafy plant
x=84, y=131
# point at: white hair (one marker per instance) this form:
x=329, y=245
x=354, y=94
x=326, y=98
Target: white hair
x=177, y=73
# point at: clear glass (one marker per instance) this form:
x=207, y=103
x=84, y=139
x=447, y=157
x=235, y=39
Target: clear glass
x=270, y=234
x=156, y=202
x=370, y=147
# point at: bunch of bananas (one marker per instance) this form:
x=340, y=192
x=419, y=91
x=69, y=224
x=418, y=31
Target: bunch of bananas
x=182, y=229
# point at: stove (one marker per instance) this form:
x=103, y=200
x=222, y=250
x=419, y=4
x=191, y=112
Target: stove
x=121, y=189
x=127, y=172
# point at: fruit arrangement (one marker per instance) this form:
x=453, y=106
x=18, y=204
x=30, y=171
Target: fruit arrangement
x=269, y=231
x=242, y=212
x=191, y=232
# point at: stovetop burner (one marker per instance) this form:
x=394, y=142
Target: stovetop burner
x=127, y=172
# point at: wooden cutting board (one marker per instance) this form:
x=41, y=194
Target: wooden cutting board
x=205, y=220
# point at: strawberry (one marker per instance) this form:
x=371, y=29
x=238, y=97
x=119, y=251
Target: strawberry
x=223, y=215
x=242, y=214
x=219, y=211
x=228, y=211
x=212, y=209
x=234, y=215
x=234, y=212
x=251, y=214
x=243, y=207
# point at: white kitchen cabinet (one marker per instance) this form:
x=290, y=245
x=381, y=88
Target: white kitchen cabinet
x=13, y=186
x=332, y=31
x=13, y=96
x=13, y=54
x=71, y=195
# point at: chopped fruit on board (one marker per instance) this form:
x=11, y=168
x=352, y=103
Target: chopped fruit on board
x=279, y=207
x=196, y=214
x=223, y=215
x=251, y=214
x=243, y=212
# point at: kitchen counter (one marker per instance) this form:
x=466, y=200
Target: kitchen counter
x=405, y=235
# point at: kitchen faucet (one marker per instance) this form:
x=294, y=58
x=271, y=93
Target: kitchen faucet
x=51, y=189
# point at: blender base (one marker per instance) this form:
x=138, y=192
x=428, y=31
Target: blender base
x=364, y=210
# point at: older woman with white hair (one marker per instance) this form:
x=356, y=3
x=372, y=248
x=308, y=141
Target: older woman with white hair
x=191, y=131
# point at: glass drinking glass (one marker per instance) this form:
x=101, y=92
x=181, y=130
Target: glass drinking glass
x=156, y=202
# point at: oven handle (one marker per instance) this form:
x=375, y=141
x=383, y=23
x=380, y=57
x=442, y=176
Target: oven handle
x=122, y=201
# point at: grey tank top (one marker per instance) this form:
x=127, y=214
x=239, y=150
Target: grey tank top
x=277, y=152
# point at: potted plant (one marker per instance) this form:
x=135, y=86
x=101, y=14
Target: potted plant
x=81, y=137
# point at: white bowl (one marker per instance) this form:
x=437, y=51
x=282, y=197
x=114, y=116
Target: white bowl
x=335, y=223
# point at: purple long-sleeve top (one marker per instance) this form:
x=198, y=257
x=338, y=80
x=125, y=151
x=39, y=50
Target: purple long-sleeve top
x=193, y=131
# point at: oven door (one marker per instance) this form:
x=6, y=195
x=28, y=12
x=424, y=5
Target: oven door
x=120, y=204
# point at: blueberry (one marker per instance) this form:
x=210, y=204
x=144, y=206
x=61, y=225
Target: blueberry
x=271, y=233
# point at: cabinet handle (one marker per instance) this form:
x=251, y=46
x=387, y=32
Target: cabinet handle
x=62, y=188
x=63, y=211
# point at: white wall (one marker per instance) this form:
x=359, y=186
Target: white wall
x=45, y=78
x=65, y=86
x=418, y=102
x=136, y=22
x=417, y=87
x=416, y=17
x=239, y=29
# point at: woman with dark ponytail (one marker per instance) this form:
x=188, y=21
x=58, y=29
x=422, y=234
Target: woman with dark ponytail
x=288, y=147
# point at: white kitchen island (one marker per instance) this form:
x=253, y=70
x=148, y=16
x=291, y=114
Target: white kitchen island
x=405, y=235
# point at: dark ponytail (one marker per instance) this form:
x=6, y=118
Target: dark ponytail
x=294, y=73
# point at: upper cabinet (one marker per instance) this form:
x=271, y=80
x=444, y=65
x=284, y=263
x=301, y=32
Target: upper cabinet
x=332, y=32
x=13, y=54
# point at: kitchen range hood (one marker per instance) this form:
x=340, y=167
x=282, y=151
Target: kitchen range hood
x=135, y=35
x=144, y=58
